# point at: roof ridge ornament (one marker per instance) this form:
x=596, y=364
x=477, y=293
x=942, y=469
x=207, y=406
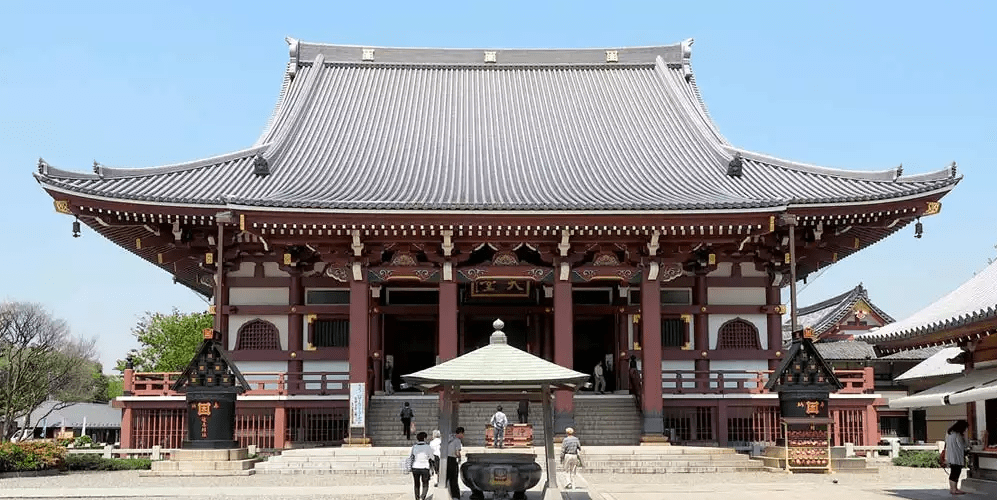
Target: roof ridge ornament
x=294, y=50
x=42, y=166
x=735, y=167
x=498, y=336
x=261, y=168
x=952, y=169
x=900, y=171
x=98, y=169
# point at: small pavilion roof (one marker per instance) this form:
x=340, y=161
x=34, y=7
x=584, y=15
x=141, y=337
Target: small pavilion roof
x=590, y=130
x=497, y=364
x=823, y=316
x=969, y=311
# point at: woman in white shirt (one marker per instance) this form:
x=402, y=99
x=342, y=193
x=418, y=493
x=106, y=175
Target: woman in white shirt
x=435, y=445
x=420, y=458
x=955, y=454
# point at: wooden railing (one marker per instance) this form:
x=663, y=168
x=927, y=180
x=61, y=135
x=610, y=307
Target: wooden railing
x=260, y=383
x=749, y=381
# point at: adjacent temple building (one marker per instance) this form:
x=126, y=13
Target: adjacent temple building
x=400, y=200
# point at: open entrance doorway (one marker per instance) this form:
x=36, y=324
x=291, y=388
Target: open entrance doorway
x=595, y=341
x=411, y=342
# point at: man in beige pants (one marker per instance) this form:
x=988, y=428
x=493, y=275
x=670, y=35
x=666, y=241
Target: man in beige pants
x=570, y=448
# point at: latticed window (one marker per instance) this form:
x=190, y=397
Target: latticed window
x=257, y=335
x=331, y=333
x=738, y=334
x=673, y=332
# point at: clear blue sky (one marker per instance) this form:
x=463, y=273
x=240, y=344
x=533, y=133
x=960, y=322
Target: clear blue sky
x=847, y=84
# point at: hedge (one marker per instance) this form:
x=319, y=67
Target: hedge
x=926, y=459
x=30, y=456
x=96, y=462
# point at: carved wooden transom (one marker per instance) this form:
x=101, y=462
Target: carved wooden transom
x=605, y=259
x=404, y=259
x=505, y=258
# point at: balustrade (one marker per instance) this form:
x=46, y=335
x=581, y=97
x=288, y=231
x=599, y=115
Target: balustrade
x=260, y=383
x=749, y=381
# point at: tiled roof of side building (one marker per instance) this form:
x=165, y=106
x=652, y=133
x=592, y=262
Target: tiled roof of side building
x=856, y=350
x=359, y=128
x=824, y=315
x=974, y=301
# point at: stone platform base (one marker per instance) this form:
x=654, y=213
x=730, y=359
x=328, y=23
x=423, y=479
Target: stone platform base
x=357, y=442
x=988, y=488
x=233, y=462
x=654, y=440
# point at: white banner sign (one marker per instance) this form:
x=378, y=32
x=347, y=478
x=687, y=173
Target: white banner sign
x=358, y=396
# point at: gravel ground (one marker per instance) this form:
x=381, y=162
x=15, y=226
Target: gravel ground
x=888, y=476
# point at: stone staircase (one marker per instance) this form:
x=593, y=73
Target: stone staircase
x=474, y=416
x=597, y=460
x=607, y=420
x=604, y=420
x=384, y=426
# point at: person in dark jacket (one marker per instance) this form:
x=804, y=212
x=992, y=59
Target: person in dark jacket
x=407, y=415
x=524, y=411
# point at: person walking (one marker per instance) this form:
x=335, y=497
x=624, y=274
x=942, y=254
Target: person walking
x=453, y=462
x=524, y=411
x=435, y=445
x=955, y=454
x=407, y=415
x=570, y=449
x=420, y=457
x=499, y=421
x=600, y=378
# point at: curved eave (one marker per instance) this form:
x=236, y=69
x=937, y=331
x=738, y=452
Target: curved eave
x=971, y=327
x=185, y=272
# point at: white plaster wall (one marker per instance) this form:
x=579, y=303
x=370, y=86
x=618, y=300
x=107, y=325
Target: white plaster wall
x=717, y=320
x=272, y=270
x=236, y=321
x=738, y=365
x=735, y=296
x=674, y=364
x=258, y=296
x=338, y=380
x=722, y=271
x=270, y=367
x=748, y=271
x=246, y=270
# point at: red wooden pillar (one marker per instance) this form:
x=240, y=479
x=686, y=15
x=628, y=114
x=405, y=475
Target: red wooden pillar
x=359, y=317
x=650, y=311
x=448, y=321
x=295, y=328
x=701, y=332
x=723, y=436
x=127, y=425
x=279, y=427
x=564, y=352
x=376, y=346
x=773, y=298
x=871, y=425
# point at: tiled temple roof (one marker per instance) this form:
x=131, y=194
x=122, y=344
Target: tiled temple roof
x=974, y=302
x=536, y=130
x=823, y=316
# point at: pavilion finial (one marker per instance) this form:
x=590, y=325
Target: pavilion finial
x=498, y=337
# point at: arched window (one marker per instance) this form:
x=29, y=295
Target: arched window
x=257, y=335
x=738, y=334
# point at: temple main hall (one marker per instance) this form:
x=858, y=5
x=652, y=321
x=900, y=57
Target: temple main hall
x=399, y=200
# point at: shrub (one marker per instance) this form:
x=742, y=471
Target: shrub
x=925, y=459
x=31, y=455
x=97, y=462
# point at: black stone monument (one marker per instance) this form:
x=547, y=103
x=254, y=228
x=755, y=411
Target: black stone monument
x=211, y=382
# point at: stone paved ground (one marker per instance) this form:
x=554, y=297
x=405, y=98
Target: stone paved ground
x=893, y=483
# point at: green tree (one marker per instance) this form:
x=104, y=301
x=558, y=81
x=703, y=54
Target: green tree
x=168, y=341
x=40, y=360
